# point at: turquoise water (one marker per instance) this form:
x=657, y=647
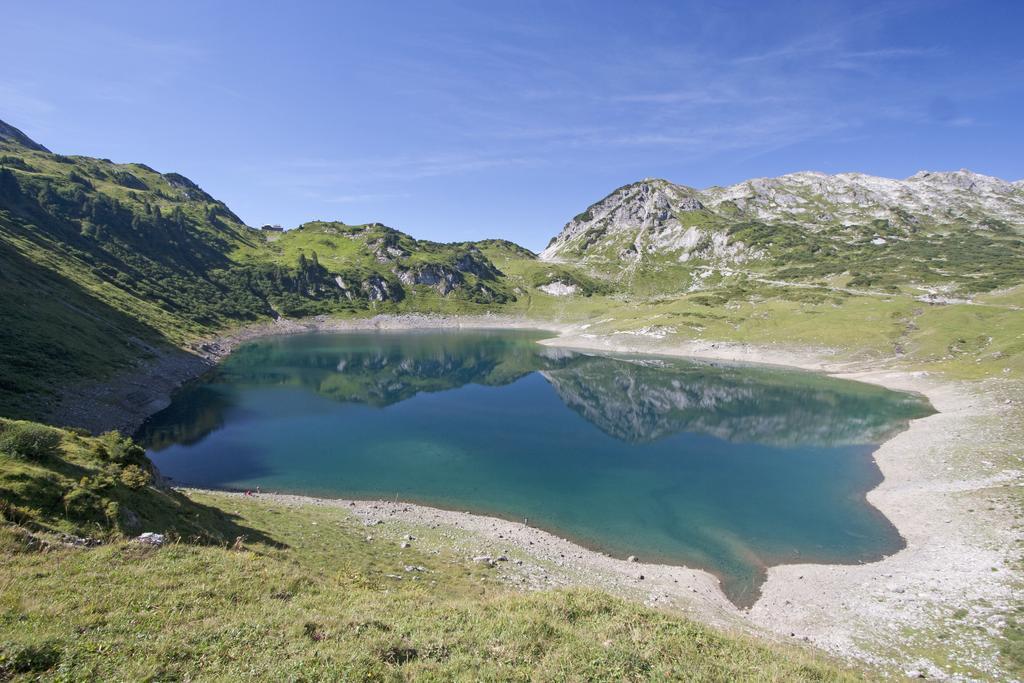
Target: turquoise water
x=732, y=469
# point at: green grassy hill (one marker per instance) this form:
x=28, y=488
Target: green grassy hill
x=106, y=264
x=247, y=587
x=352, y=267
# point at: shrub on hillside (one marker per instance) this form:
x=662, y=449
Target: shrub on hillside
x=87, y=499
x=29, y=441
x=9, y=512
x=113, y=447
x=135, y=478
x=81, y=502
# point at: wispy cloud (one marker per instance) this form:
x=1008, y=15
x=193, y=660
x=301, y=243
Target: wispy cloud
x=365, y=198
x=523, y=106
x=20, y=102
x=711, y=96
x=797, y=49
x=325, y=172
x=893, y=53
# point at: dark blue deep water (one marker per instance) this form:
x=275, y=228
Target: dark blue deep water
x=728, y=468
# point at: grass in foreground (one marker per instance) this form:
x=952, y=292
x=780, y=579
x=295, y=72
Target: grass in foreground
x=329, y=607
x=305, y=596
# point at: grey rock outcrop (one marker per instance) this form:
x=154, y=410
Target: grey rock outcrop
x=657, y=216
x=377, y=288
x=441, y=278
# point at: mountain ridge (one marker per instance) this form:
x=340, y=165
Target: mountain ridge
x=14, y=136
x=814, y=198
x=138, y=264
x=954, y=232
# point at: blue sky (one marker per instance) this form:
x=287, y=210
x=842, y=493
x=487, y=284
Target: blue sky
x=458, y=121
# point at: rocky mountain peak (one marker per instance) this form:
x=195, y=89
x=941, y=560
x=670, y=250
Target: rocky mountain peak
x=652, y=205
x=659, y=216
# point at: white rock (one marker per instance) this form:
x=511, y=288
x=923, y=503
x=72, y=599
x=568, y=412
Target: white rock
x=558, y=288
x=150, y=538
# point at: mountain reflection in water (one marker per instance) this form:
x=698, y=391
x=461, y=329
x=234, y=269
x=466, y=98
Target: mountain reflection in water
x=630, y=398
x=728, y=468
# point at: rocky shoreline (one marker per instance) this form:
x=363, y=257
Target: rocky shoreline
x=527, y=557
x=942, y=601
x=948, y=591
x=125, y=400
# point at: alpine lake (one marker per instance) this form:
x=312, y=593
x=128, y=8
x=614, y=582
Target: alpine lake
x=729, y=468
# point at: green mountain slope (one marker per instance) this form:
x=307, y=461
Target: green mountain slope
x=354, y=264
x=54, y=481
x=104, y=265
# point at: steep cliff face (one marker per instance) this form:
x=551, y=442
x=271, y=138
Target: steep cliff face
x=445, y=277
